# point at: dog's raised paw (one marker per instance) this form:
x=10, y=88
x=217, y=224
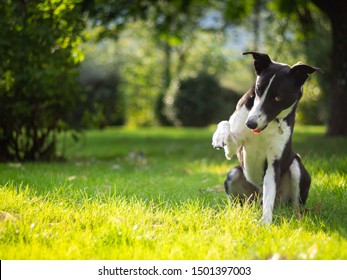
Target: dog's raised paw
x=221, y=135
x=218, y=142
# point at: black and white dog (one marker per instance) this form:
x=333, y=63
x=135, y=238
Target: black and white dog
x=260, y=133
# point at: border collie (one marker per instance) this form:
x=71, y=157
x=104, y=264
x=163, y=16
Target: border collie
x=260, y=133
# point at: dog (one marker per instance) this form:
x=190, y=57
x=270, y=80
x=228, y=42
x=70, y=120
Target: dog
x=260, y=133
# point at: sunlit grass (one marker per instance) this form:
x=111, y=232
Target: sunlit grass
x=156, y=193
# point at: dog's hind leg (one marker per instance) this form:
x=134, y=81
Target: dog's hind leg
x=237, y=187
x=295, y=184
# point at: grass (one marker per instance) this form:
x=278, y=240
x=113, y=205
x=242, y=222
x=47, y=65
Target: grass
x=155, y=193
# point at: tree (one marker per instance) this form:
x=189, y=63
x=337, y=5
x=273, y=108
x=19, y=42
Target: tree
x=170, y=20
x=38, y=55
x=173, y=24
x=301, y=11
x=101, y=102
x=336, y=10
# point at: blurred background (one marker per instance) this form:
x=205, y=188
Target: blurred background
x=70, y=65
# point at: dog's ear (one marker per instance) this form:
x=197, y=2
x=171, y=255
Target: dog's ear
x=261, y=61
x=301, y=71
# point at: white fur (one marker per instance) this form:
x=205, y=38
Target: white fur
x=295, y=181
x=230, y=134
x=269, y=194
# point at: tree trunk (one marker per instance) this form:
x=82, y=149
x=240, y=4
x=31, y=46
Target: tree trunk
x=338, y=107
x=167, y=78
x=336, y=10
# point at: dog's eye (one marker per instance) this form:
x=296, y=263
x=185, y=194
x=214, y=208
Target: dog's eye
x=277, y=99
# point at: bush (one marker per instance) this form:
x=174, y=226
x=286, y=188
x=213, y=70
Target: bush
x=38, y=57
x=201, y=101
x=101, y=103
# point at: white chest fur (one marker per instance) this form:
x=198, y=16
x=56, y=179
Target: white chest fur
x=264, y=148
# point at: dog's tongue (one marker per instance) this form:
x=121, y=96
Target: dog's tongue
x=256, y=131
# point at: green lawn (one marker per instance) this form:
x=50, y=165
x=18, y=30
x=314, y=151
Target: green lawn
x=155, y=193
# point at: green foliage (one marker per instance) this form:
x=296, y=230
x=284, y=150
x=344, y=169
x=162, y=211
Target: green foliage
x=38, y=53
x=287, y=30
x=139, y=59
x=169, y=18
x=101, y=103
x=237, y=10
x=171, y=30
x=291, y=45
x=140, y=67
x=199, y=101
x=124, y=193
x=311, y=109
x=318, y=92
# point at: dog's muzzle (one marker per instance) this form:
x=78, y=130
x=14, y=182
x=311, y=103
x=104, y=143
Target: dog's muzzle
x=252, y=124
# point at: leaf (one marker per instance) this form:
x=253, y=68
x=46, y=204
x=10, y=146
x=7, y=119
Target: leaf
x=312, y=251
x=71, y=178
x=116, y=167
x=5, y=216
x=172, y=39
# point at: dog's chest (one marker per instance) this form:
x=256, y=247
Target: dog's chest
x=260, y=151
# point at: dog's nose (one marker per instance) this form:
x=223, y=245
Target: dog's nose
x=251, y=123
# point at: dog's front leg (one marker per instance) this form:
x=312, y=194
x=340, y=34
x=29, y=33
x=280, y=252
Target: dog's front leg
x=222, y=138
x=230, y=134
x=269, y=193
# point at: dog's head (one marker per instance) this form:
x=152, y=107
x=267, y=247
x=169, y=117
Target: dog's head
x=277, y=90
